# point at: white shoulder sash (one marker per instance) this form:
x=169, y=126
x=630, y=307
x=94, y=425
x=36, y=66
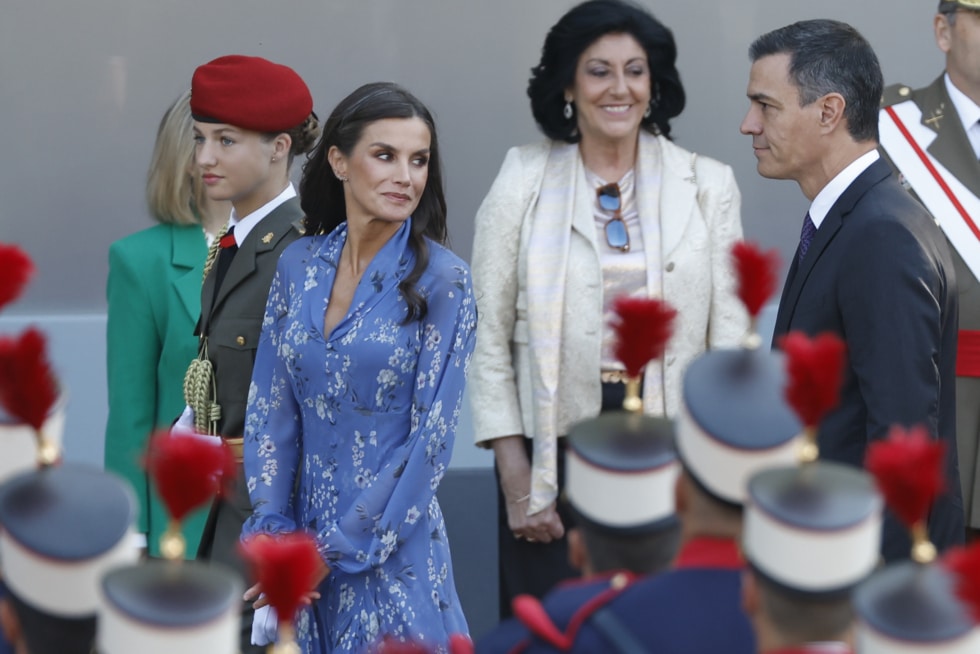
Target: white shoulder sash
x=955, y=208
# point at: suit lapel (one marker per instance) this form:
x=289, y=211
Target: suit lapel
x=189, y=251
x=951, y=146
x=799, y=272
x=583, y=199
x=678, y=192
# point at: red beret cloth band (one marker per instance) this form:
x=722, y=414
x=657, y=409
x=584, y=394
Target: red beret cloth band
x=251, y=93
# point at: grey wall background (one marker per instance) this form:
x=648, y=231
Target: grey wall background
x=83, y=86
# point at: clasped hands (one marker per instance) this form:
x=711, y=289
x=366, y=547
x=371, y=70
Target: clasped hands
x=256, y=591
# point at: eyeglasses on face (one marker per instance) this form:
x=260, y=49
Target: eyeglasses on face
x=610, y=199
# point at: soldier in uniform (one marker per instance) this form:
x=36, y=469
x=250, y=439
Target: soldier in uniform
x=251, y=117
x=621, y=469
x=733, y=423
x=167, y=606
x=61, y=528
x=812, y=533
x=912, y=608
x=932, y=137
x=925, y=604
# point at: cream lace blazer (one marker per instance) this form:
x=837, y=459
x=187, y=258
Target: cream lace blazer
x=518, y=386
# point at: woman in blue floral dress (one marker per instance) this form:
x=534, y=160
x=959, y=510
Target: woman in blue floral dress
x=358, y=380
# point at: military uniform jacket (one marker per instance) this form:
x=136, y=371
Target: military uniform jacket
x=952, y=149
x=695, y=608
x=556, y=623
x=232, y=320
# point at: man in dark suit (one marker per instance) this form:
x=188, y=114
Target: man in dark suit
x=943, y=120
x=872, y=265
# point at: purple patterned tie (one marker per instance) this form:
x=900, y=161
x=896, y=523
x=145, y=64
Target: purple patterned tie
x=806, y=235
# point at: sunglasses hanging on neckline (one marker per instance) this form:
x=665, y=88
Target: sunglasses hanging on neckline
x=610, y=199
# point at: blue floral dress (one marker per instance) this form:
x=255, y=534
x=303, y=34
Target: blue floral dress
x=365, y=417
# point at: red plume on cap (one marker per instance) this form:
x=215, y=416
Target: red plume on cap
x=188, y=470
x=16, y=269
x=642, y=331
x=908, y=469
x=28, y=388
x=285, y=566
x=964, y=563
x=756, y=272
x=815, y=371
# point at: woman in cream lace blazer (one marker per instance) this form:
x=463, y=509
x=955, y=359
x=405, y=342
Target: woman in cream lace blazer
x=550, y=255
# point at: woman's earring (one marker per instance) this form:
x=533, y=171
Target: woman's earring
x=649, y=111
x=568, y=112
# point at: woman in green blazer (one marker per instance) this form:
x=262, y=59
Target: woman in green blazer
x=154, y=294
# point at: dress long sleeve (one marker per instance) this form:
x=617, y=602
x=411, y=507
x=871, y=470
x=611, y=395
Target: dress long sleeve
x=272, y=422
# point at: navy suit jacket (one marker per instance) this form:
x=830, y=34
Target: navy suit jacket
x=879, y=274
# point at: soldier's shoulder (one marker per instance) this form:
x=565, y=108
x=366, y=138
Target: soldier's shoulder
x=895, y=94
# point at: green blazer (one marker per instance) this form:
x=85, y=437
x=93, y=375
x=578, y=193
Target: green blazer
x=154, y=294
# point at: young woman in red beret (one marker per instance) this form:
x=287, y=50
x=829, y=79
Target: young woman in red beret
x=359, y=378
x=251, y=118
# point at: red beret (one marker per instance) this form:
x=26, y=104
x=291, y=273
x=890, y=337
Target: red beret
x=251, y=93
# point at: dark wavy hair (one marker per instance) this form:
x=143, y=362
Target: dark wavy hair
x=582, y=26
x=322, y=194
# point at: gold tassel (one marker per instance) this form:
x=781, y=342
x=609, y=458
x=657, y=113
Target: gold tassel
x=633, y=402
x=922, y=550
x=752, y=340
x=48, y=452
x=809, y=451
x=286, y=643
x=172, y=543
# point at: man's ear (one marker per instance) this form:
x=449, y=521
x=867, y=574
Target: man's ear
x=831, y=111
x=942, y=29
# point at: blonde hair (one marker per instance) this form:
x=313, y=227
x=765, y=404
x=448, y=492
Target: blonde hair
x=172, y=192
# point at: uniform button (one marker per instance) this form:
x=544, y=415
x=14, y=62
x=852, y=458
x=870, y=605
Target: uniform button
x=670, y=266
x=670, y=360
x=240, y=340
x=904, y=91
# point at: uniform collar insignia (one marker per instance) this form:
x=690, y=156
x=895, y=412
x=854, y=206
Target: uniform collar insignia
x=934, y=121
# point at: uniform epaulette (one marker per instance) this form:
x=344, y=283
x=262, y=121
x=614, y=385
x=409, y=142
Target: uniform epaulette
x=895, y=94
x=533, y=615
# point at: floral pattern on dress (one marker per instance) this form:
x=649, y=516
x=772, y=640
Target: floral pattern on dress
x=348, y=434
